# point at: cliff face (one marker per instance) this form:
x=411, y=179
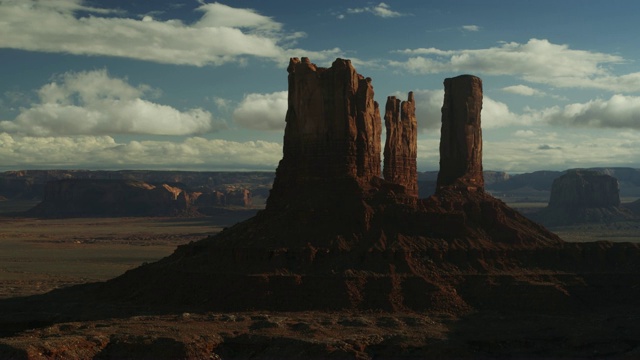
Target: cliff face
x=101, y=197
x=461, y=134
x=332, y=136
x=583, y=196
x=401, y=146
x=72, y=197
x=584, y=189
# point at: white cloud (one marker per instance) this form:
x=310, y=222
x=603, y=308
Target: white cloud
x=262, y=111
x=381, y=10
x=223, y=34
x=523, y=90
x=471, y=28
x=524, y=133
x=537, y=61
x=93, y=103
x=549, y=151
x=619, y=111
x=104, y=152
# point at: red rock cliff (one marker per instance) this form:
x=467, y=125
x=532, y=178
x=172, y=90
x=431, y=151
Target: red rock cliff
x=461, y=135
x=401, y=146
x=332, y=136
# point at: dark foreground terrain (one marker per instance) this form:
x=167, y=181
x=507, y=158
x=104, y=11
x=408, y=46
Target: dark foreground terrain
x=39, y=255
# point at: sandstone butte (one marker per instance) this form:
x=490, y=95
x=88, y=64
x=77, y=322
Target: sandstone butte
x=335, y=235
x=584, y=196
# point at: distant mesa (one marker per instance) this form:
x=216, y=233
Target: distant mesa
x=120, y=197
x=583, y=196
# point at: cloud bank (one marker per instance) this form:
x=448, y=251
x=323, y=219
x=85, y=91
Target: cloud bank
x=537, y=61
x=619, y=111
x=103, y=152
x=94, y=103
x=223, y=34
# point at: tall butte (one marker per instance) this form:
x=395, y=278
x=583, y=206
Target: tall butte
x=332, y=134
x=461, y=134
x=401, y=146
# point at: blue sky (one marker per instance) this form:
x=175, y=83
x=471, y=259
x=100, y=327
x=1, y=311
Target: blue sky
x=201, y=85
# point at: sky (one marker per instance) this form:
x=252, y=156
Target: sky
x=202, y=85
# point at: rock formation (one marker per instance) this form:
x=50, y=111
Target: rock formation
x=64, y=198
x=461, y=134
x=333, y=227
x=354, y=242
x=583, y=196
x=584, y=189
x=332, y=134
x=30, y=184
x=103, y=197
x=401, y=146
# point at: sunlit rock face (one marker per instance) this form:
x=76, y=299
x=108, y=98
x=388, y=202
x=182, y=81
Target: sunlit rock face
x=401, y=146
x=332, y=136
x=461, y=134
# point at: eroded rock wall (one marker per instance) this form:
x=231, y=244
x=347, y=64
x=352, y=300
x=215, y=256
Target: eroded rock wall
x=332, y=134
x=461, y=134
x=585, y=189
x=401, y=146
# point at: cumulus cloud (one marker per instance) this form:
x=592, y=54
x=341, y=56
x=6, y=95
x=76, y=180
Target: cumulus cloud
x=537, y=61
x=94, y=103
x=104, y=152
x=523, y=90
x=619, y=111
x=494, y=114
x=223, y=34
x=381, y=10
x=471, y=28
x=262, y=111
x=550, y=151
x=524, y=133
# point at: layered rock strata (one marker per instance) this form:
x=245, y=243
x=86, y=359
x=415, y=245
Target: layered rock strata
x=461, y=134
x=401, y=146
x=117, y=197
